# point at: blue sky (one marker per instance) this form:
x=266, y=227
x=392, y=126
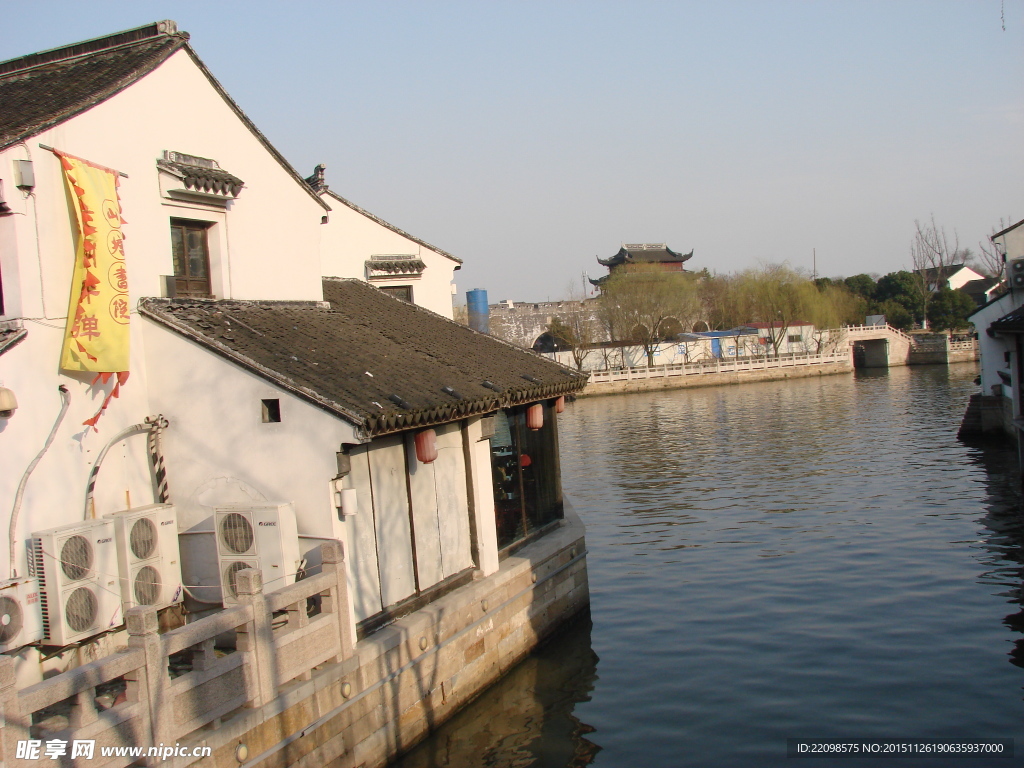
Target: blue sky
x=529, y=137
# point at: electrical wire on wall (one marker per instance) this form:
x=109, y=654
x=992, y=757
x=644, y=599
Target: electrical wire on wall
x=13, y=526
x=154, y=425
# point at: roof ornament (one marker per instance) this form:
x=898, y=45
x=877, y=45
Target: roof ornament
x=318, y=180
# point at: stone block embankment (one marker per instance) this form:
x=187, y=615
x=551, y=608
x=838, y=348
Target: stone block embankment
x=712, y=379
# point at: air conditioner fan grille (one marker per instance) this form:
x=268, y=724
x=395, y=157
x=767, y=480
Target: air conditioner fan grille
x=11, y=619
x=80, y=609
x=236, y=533
x=76, y=558
x=147, y=585
x=142, y=538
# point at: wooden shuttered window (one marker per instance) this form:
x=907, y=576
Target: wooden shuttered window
x=191, y=251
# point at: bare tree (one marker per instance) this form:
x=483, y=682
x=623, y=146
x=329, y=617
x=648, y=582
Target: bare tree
x=639, y=303
x=931, y=253
x=576, y=325
x=990, y=260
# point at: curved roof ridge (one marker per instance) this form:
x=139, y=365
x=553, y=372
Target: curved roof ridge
x=392, y=227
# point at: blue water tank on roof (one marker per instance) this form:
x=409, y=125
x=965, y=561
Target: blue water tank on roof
x=479, y=312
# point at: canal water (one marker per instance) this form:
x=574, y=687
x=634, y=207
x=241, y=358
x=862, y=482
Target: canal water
x=813, y=559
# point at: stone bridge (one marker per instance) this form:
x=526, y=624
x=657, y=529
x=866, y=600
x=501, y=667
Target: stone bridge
x=882, y=346
x=878, y=346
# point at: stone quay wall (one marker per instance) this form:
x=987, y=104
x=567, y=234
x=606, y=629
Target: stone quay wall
x=710, y=375
x=294, y=689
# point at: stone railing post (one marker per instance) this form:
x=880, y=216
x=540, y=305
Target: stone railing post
x=14, y=727
x=256, y=638
x=149, y=683
x=336, y=601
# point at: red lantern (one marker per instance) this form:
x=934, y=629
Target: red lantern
x=535, y=416
x=426, y=446
x=560, y=404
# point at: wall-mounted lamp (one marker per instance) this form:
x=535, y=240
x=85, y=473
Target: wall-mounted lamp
x=8, y=403
x=345, y=499
x=24, y=175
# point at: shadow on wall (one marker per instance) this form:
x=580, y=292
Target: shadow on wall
x=527, y=717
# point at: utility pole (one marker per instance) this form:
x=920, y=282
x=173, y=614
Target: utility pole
x=814, y=258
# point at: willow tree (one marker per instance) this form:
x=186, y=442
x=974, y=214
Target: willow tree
x=644, y=304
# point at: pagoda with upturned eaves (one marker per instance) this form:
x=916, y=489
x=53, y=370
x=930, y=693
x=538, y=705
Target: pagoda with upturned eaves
x=643, y=253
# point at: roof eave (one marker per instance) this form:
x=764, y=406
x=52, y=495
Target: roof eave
x=252, y=366
x=253, y=129
x=88, y=104
x=387, y=422
x=387, y=225
x=1002, y=232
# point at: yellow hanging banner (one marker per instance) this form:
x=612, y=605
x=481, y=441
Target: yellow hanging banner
x=96, y=337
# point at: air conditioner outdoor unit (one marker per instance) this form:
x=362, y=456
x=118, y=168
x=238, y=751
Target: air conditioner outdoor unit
x=80, y=594
x=147, y=556
x=1015, y=273
x=258, y=536
x=21, y=621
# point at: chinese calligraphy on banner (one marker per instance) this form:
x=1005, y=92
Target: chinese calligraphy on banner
x=96, y=337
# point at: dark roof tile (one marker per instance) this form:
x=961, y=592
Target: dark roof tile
x=1011, y=322
x=37, y=92
x=645, y=253
x=380, y=363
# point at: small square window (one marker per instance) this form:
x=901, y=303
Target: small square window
x=271, y=411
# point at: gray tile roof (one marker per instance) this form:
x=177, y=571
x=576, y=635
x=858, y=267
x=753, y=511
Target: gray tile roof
x=634, y=253
x=43, y=89
x=382, y=364
x=1011, y=322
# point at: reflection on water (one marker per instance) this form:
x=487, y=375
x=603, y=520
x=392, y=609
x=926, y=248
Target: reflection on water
x=809, y=559
x=527, y=717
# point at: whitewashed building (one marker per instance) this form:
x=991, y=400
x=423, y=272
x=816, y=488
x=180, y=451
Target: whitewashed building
x=269, y=389
x=1000, y=323
x=356, y=243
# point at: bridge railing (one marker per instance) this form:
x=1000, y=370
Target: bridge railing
x=963, y=345
x=719, y=365
x=858, y=330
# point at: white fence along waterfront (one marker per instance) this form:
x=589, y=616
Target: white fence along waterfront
x=719, y=365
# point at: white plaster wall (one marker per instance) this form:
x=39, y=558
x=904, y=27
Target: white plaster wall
x=1013, y=243
x=350, y=238
x=55, y=492
x=218, y=450
x=268, y=238
x=270, y=233
x=991, y=350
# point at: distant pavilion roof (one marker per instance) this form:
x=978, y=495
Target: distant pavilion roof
x=641, y=253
